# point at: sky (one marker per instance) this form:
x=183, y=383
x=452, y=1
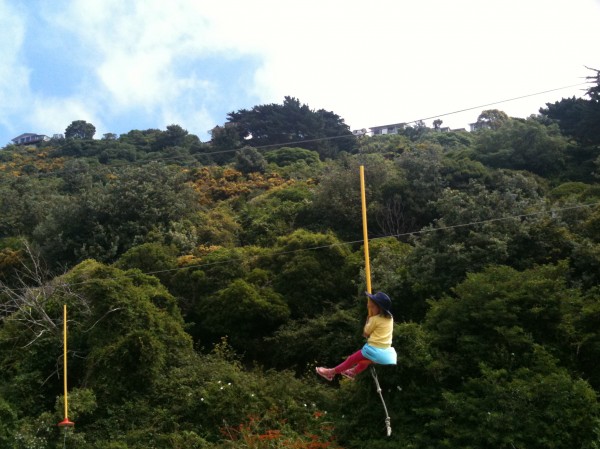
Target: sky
x=141, y=64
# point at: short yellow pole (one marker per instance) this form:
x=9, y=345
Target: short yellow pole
x=66, y=421
x=65, y=360
x=365, y=231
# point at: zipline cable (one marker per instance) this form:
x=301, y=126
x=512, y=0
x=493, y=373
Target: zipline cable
x=497, y=102
x=405, y=234
x=349, y=242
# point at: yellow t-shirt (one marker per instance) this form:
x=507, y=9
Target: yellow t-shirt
x=380, y=330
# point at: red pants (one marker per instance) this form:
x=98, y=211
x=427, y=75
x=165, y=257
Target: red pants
x=356, y=360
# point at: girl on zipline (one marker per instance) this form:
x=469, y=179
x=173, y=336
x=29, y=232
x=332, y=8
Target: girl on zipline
x=378, y=349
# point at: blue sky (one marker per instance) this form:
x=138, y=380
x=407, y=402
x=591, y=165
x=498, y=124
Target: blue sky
x=140, y=64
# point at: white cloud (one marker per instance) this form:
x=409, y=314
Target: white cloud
x=384, y=62
x=147, y=56
x=395, y=61
x=14, y=90
x=52, y=116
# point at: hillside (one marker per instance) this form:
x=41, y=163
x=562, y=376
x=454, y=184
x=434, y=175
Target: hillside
x=206, y=280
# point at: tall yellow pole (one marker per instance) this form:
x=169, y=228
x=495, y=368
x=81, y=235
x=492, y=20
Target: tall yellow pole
x=365, y=231
x=66, y=421
x=363, y=197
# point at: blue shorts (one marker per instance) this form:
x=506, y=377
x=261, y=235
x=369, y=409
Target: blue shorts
x=381, y=356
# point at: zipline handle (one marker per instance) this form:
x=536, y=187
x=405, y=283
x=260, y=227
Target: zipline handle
x=388, y=425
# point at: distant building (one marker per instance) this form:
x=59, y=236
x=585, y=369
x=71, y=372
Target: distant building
x=30, y=139
x=397, y=128
x=387, y=129
x=478, y=126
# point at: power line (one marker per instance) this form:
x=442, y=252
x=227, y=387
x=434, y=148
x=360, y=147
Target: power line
x=497, y=102
x=318, y=139
x=427, y=230
x=423, y=231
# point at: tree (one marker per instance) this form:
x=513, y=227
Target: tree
x=500, y=349
x=152, y=258
x=80, y=129
x=388, y=145
x=286, y=156
x=109, y=218
x=250, y=160
x=311, y=281
x=492, y=118
x=400, y=201
x=144, y=141
x=31, y=318
x=501, y=317
x=326, y=338
x=522, y=145
x=174, y=136
x=225, y=140
x=514, y=408
x=273, y=124
x=8, y=419
x=274, y=214
x=446, y=251
x=244, y=313
x=389, y=272
x=28, y=298
x=24, y=202
x=577, y=117
x=336, y=204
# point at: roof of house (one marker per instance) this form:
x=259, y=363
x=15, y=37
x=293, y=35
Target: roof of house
x=394, y=125
x=25, y=135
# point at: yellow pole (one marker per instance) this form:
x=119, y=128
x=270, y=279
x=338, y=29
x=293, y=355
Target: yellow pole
x=365, y=232
x=65, y=361
x=66, y=421
x=368, y=278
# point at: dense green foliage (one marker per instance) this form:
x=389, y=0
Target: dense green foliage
x=292, y=122
x=204, y=281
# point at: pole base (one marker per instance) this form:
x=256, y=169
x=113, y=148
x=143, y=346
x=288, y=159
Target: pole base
x=66, y=423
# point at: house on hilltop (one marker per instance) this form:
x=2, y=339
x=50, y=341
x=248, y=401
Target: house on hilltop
x=397, y=128
x=30, y=139
x=387, y=129
x=478, y=126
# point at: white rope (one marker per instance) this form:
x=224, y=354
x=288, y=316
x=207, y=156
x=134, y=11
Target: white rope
x=388, y=426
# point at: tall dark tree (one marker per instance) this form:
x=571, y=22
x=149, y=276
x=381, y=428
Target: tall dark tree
x=594, y=91
x=275, y=124
x=80, y=129
x=577, y=117
x=224, y=141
